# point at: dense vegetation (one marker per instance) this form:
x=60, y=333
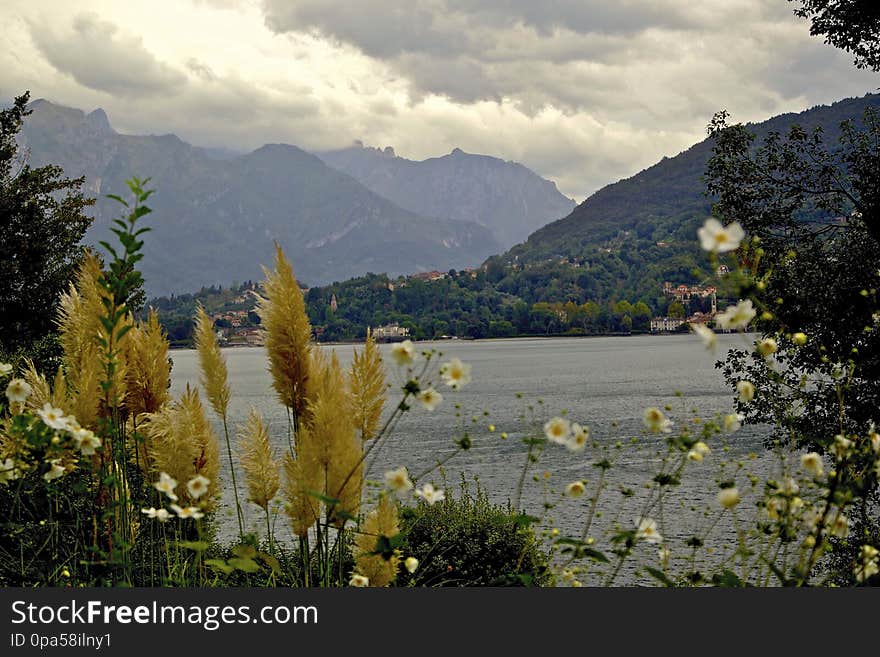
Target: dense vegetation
x=462, y=304
x=42, y=221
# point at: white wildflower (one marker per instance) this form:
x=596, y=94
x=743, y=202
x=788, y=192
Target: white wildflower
x=9, y=471
x=766, y=347
x=161, y=515
x=86, y=441
x=578, y=438
x=430, y=399
x=736, y=317
x=745, y=390
x=841, y=446
x=656, y=422
x=56, y=470
x=455, y=373
x=733, y=422
x=707, y=335
x=557, y=430
x=874, y=439
x=717, y=238
x=197, y=486
x=398, y=480
x=403, y=353
x=18, y=391
x=359, y=581
x=867, y=566
x=812, y=463
x=728, y=497
x=430, y=494
x=839, y=526
x=54, y=418
x=646, y=530
x=698, y=451
x=166, y=484
x=187, y=512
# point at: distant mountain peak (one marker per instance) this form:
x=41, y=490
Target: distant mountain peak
x=506, y=197
x=42, y=106
x=99, y=121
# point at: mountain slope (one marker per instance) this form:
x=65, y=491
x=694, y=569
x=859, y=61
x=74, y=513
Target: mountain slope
x=506, y=197
x=667, y=201
x=215, y=218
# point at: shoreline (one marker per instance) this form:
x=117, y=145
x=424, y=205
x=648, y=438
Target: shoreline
x=554, y=336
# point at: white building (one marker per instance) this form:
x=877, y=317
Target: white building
x=665, y=324
x=390, y=331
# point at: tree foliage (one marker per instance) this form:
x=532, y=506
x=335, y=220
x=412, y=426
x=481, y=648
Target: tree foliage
x=851, y=25
x=814, y=204
x=42, y=221
x=812, y=208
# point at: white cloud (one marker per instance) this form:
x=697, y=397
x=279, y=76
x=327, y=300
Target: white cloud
x=582, y=91
x=100, y=56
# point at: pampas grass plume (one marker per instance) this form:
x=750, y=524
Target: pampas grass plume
x=366, y=381
x=287, y=334
x=381, y=521
x=261, y=469
x=214, y=377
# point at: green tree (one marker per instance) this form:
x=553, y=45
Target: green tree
x=811, y=206
x=852, y=25
x=42, y=221
x=676, y=309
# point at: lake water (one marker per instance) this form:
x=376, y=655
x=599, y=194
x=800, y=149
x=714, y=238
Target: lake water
x=603, y=383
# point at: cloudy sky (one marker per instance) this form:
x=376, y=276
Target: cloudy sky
x=582, y=91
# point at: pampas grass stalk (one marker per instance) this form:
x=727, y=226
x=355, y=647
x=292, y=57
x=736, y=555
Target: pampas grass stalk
x=366, y=381
x=148, y=371
x=261, y=469
x=183, y=444
x=380, y=522
x=148, y=376
x=337, y=447
x=288, y=338
x=80, y=330
x=214, y=379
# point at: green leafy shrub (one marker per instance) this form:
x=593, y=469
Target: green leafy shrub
x=468, y=541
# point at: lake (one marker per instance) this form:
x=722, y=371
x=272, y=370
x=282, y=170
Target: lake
x=603, y=383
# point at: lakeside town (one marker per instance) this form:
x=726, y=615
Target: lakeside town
x=236, y=321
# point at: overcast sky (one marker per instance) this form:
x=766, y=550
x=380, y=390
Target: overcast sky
x=582, y=91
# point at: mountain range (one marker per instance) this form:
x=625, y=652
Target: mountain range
x=372, y=211
x=217, y=213
x=507, y=198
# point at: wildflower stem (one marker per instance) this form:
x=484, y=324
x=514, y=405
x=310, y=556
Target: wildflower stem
x=621, y=558
x=238, y=513
x=438, y=464
x=522, y=477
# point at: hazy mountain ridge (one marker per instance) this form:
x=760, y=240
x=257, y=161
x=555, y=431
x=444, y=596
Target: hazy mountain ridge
x=506, y=197
x=215, y=218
